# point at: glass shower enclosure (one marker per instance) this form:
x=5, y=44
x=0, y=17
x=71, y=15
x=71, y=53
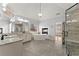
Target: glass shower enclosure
x=72, y=30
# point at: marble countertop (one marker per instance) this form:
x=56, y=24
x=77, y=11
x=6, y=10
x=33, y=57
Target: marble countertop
x=13, y=37
x=9, y=39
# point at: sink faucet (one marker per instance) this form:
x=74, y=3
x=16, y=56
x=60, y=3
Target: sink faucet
x=2, y=38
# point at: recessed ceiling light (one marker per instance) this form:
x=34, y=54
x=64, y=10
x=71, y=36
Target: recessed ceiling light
x=40, y=14
x=4, y=4
x=4, y=9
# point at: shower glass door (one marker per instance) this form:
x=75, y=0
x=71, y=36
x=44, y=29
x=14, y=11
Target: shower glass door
x=72, y=30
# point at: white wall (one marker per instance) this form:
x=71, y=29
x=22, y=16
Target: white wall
x=51, y=24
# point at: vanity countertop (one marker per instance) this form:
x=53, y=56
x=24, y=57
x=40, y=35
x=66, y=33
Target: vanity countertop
x=9, y=39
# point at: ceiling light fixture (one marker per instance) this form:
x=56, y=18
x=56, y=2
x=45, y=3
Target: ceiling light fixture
x=40, y=13
x=4, y=4
x=4, y=9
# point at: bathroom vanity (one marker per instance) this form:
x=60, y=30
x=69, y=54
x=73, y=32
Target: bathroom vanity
x=12, y=44
x=11, y=47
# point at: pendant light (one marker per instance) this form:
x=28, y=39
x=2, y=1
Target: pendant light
x=40, y=13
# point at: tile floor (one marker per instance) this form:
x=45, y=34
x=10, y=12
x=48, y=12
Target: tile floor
x=44, y=48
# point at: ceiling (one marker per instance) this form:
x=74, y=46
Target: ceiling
x=31, y=10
